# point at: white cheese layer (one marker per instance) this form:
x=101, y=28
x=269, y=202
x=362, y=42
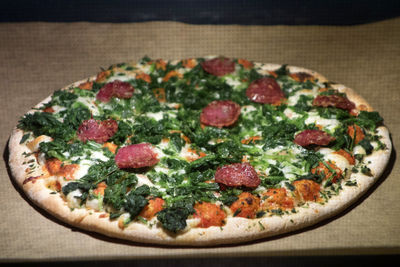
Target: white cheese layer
x=73, y=199
x=329, y=124
x=340, y=161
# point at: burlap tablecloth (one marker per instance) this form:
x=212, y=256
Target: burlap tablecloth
x=37, y=58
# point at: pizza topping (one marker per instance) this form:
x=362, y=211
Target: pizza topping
x=246, y=206
x=346, y=155
x=143, y=76
x=307, y=190
x=100, y=189
x=333, y=100
x=189, y=63
x=219, y=66
x=136, y=156
x=86, y=85
x=96, y=130
x=35, y=143
x=48, y=110
x=110, y=146
x=245, y=63
x=265, y=91
x=328, y=170
x=356, y=133
x=150, y=210
x=115, y=89
x=313, y=137
x=237, y=174
x=277, y=198
x=102, y=76
x=220, y=113
x=301, y=76
x=172, y=73
x=57, y=167
x=53, y=166
x=209, y=215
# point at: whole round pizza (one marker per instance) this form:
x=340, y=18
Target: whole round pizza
x=198, y=152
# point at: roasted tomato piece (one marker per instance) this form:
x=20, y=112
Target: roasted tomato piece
x=277, y=198
x=307, y=190
x=246, y=206
x=155, y=205
x=209, y=214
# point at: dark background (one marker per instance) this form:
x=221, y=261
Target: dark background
x=250, y=12
x=289, y=12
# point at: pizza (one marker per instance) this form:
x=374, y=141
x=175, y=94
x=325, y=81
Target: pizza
x=201, y=151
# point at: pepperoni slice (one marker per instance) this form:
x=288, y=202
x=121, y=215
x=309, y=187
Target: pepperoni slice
x=219, y=66
x=97, y=130
x=116, y=88
x=136, y=156
x=313, y=137
x=334, y=101
x=265, y=90
x=220, y=113
x=237, y=174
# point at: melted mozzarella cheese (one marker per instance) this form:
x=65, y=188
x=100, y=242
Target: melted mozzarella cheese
x=83, y=168
x=292, y=100
x=232, y=82
x=157, y=116
x=142, y=179
x=291, y=114
x=34, y=145
x=73, y=199
x=329, y=124
x=359, y=150
x=246, y=109
x=122, y=78
x=89, y=103
x=340, y=161
x=98, y=155
x=95, y=203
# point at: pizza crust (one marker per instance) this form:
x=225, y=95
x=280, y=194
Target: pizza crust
x=236, y=229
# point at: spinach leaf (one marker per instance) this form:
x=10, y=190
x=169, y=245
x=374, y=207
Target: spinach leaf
x=148, y=130
x=136, y=200
x=43, y=123
x=74, y=116
x=62, y=98
x=173, y=219
x=366, y=145
x=368, y=120
x=124, y=130
x=72, y=186
x=278, y=133
x=302, y=104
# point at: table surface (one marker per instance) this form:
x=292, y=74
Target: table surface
x=38, y=58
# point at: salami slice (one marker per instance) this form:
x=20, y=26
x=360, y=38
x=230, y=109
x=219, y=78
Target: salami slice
x=265, y=90
x=115, y=89
x=220, y=113
x=96, y=130
x=219, y=66
x=334, y=101
x=136, y=156
x=313, y=137
x=237, y=174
